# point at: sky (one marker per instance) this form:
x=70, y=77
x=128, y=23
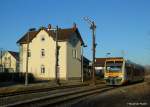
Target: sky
x=123, y=26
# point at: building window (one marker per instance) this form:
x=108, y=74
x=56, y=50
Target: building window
x=29, y=53
x=43, y=52
x=5, y=58
x=42, y=39
x=74, y=53
x=9, y=58
x=42, y=69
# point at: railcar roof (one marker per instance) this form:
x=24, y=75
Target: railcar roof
x=115, y=59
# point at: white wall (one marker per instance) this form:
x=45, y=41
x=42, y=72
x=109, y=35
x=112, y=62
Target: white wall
x=69, y=67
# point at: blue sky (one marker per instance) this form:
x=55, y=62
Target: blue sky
x=122, y=25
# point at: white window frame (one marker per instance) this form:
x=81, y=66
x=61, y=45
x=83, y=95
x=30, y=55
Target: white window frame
x=74, y=53
x=42, y=69
x=29, y=53
x=42, y=38
x=42, y=52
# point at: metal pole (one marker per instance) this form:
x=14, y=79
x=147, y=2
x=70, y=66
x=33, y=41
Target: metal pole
x=82, y=66
x=1, y=61
x=93, y=27
x=26, y=74
x=56, y=63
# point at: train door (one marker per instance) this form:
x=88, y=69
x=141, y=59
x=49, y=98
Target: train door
x=132, y=74
x=129, y=73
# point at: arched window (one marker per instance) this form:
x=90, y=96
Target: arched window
x=29, y=53
x=42, y=52
x=42, y=69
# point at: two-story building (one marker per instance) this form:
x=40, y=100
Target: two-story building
x=41, y=59
x=9, y=61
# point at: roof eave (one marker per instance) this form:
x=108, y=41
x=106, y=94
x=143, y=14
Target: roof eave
x=82, y=42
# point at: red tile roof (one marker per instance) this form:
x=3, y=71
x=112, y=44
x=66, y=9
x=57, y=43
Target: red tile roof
x=14, y=54
x=101, y=61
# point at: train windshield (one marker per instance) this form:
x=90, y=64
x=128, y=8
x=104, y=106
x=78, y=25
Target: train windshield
x=114, y=66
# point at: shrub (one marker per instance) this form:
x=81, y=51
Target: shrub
x=15, y=76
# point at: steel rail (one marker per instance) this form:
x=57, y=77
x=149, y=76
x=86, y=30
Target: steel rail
x=60, y=97
x=40, y=90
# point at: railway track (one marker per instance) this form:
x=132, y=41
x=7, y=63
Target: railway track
x=59, y=97
x=55, y=97
x=40, y=90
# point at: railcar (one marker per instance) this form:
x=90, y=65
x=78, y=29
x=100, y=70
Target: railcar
x=119, y=71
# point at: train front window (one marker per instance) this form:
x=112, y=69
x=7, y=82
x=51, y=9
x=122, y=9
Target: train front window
x=114, y=66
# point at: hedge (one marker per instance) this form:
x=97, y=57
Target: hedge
x=15, y=76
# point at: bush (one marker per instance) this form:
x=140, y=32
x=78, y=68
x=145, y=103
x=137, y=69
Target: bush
x=15, y=76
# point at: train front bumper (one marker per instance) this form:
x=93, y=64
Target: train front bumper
x=113, y=81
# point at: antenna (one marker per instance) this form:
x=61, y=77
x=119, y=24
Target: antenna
x=123, y=53
x=32, y=29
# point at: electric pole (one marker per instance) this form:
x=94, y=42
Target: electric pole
x=1, y=59
x=27, y=59
x=82, y=63
x=57, y=53
x=93, y=28
x=123, y=53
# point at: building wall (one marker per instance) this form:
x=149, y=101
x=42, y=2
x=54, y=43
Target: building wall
x=21, y=52
x=63, y=60
x=36, y=60
x=69, y=66
x=74, y=63
x=22, y=57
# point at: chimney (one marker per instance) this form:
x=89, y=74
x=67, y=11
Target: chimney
x=49, y=26
x=32, y=29
x=74, y=26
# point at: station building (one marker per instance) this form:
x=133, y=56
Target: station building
x=41, y=45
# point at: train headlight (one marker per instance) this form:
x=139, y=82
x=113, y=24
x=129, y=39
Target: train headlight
x=121, y=76
x=106, y=77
